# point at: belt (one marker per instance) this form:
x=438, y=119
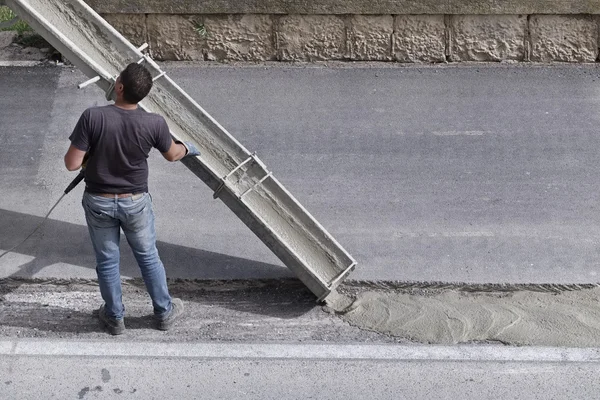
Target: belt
x=134, y=196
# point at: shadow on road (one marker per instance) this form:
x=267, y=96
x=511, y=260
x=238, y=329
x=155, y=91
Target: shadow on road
x=199, y=276
x=66, y=243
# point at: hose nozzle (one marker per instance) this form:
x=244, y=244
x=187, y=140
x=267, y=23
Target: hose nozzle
x=75, y=181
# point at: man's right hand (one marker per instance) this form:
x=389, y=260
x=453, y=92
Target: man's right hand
x=85, y=160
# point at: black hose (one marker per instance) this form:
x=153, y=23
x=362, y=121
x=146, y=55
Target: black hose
x=71, y=186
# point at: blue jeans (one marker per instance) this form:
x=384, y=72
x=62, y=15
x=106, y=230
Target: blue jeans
x=105, y=218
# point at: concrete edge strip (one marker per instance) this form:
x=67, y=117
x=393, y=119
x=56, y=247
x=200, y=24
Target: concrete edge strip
x=346, y=7
x=58, y=348
x=349, y=283
x=335, y=64
x=20, y=63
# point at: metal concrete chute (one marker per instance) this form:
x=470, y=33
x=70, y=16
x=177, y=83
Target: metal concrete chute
x=238, y=177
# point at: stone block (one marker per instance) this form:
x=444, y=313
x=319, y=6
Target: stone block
x=165, y=35
x=311, y=38
x=370, y=37
x=563, y=38
x=211, y=37
x=239, y=38
x=487, y=37
x=419, y=38
x=132, y=26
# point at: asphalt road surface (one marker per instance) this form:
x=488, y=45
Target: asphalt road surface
x=481, y=174
x=475, y=174
x=76, y=370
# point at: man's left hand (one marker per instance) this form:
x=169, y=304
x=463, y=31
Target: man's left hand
x=191, y=150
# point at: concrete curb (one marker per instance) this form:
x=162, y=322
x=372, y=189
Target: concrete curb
x=332, y=64
x=346, y=7
x=20, y=63
x=482, y=353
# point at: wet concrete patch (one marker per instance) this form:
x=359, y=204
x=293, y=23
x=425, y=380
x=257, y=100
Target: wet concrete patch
x=524, y=317
x=285, y=311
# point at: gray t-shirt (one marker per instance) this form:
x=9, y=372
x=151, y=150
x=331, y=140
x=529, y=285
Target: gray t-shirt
x=118, y=143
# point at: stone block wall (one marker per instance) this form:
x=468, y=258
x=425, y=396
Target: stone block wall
x=487, y=37
x=418, y=38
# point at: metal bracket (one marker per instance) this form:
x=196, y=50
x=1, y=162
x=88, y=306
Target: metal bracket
x=111, y=89
x=140, y=49
x=342, y=275
x=149, y=60
x=163, y=73
x=113, y=80
x=255, y=185
x=233, y=171
x=224, y=179
x=88, y=82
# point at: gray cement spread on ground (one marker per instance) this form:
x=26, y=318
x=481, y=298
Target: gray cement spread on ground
x=524, y=317
x=459, y=174
x=249, y=311
x=284, y=311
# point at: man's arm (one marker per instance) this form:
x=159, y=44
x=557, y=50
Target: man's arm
x=74, y=158
x=176, y=152
x=179, y=150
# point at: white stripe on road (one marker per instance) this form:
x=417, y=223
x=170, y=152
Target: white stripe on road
x=297, y=351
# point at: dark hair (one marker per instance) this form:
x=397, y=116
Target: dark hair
x=137, y=82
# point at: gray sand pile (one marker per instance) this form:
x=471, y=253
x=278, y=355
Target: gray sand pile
x=449, y=317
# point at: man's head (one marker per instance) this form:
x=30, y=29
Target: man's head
x=134, y=83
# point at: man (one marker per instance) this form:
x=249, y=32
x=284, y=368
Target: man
x=113, y=143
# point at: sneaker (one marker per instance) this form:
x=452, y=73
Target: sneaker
x=175, y=314
x=114, y=326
